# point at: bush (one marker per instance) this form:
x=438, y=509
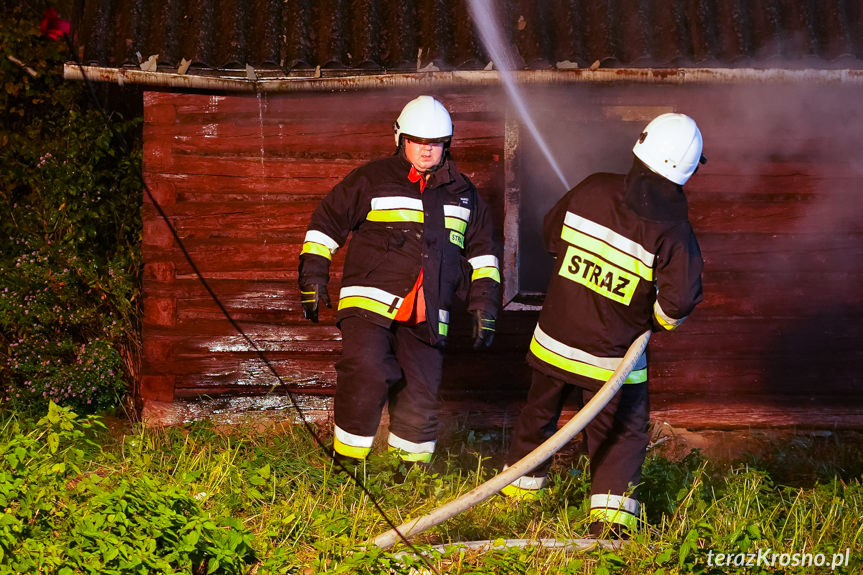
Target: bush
x=70, y=197
x=60, y=516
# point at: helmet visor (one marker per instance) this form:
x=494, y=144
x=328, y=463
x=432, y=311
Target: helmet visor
x=418, y=140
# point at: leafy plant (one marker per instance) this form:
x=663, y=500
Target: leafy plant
x=70, y=198
x=64, y=514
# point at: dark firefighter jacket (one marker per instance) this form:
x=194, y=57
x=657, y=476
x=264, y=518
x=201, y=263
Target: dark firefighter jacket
x=626, y=261
x=394, y=230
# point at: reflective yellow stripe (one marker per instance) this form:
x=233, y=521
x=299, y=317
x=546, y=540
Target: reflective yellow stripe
x=485, y=267
x=520, y=493
x=395, y=216
x=386, y=310
x=610, y=237
x=607, y=252
x=411, y=450
x=373, y=299
x=618, y=509
x=489, y=272
x=580, y=367
x=618, y=516
x=607, y=280
x=636, y=376
x=667, y=322
x=443, y=329
x=317, y=249
x=350, y=450
x=455, y=224
x=665, y=325
x=405, y=456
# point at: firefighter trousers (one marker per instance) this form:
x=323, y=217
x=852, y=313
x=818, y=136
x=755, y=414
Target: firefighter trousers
x=393, y=364
x=616, y=441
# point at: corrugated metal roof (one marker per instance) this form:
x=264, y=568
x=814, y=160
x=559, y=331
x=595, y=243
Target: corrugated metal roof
x=293, y=37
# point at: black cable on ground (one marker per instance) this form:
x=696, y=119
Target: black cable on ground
x=305, y=422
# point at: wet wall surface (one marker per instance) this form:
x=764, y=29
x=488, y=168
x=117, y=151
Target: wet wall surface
x=776, y=210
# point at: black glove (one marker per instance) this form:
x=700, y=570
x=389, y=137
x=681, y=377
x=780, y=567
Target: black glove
x=483, y=329
x=311, y=295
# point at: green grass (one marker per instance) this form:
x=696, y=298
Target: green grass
x=198, y=499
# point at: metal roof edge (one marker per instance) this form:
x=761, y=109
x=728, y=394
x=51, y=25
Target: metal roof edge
x=479, y=78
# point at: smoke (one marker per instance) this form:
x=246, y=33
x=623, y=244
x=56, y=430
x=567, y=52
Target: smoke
x=490, y=32
x=782, y=170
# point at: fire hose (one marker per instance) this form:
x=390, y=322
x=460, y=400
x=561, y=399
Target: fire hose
x=551, y=446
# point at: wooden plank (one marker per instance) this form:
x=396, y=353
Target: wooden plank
x=780, y=231
x=708, y=413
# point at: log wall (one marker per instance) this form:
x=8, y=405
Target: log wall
x=776, y=209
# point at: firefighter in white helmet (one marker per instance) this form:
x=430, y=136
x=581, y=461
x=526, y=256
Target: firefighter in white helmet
x=627, y=260
x=421, y=237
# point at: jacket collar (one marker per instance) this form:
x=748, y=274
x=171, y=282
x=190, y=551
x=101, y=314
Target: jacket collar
x=653, y=197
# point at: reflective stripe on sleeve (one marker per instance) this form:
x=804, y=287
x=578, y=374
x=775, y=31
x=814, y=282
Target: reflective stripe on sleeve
x=485, y=267
x=666, y=321
x=580, y=362
x=323, y=239
x=316, y=249
x=320, y=244
x=370, y=298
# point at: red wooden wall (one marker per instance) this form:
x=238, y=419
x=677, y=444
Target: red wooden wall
x=777, y=211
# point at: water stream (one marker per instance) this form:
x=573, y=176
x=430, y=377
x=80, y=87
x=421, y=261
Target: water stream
x=489, y=30
x=263, y=166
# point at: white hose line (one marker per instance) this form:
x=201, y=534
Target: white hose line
x=551, y=446
x=544, y=544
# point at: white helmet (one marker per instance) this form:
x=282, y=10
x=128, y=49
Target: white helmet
x=425, y=120
x=671, y=146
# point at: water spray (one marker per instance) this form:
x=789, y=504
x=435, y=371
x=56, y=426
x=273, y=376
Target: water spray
x=489, y=31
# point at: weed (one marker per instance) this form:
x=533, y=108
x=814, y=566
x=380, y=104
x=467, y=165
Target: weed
x=78, y=498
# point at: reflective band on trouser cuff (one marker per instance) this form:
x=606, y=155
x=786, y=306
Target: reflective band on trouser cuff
x=370, y=298
x=442, y=322
x=665, y=320
x=580, y=362
x=614, y=509
x=351, y=445
x=525, y=487
x=410, y=451
x=485, y=267
x=308, y=296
